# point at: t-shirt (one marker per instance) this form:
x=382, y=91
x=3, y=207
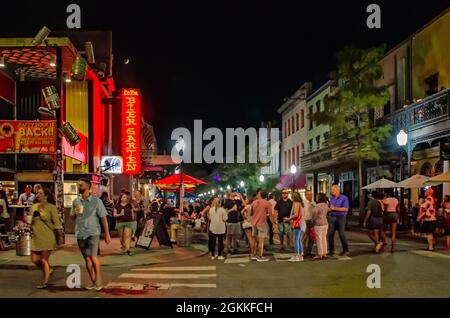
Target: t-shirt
x=217, y=219
x=233, y=217
x=374, y=207
x=391, y=204
x=428, y=207
x=25, y=199
x=340, y=202
x=128, y=213
x=260, y=209
x=284, y=209
x=88, y=223
x=307, y=210
x=319, y=214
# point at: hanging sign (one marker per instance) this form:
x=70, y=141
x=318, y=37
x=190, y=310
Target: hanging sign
x=131, y=131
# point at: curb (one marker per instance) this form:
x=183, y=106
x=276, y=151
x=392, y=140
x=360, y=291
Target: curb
x=33, y=267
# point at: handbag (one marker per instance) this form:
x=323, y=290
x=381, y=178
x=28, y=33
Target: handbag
x=246, y=224
x=56, y=232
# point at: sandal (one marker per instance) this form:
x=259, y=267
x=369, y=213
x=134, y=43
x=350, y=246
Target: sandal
x=42, y=286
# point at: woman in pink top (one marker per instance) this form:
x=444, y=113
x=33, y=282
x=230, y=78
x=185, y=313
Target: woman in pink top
x=390, y=218
x=427, y=217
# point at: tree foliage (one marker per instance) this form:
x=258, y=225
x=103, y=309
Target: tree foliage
x=347, y=112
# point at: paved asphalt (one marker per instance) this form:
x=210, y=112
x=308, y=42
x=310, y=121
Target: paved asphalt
x=410, y=272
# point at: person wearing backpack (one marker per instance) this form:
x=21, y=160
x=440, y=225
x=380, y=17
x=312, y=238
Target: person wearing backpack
x=374, y=219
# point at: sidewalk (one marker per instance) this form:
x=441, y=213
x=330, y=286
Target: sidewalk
x=110, y=254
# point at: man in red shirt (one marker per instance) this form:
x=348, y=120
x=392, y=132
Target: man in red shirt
x=260, y=209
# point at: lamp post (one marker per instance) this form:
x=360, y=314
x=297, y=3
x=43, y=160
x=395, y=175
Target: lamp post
x=261, y=178
x=402, y=141
x=180, y=146
x=293, y=172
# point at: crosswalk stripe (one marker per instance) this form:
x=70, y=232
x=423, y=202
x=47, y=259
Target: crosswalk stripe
x=344, y=258
x=176, y=269
x=430, y=254
x=171, y=285
x=168, y=276
x=237, y=260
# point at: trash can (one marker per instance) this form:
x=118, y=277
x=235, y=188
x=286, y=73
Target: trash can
x=184, y=235
x=23, y=245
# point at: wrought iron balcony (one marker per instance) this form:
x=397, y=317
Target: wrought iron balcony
x=429, y=110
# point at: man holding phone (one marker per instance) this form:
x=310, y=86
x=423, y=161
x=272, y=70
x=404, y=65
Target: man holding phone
x=88, y=211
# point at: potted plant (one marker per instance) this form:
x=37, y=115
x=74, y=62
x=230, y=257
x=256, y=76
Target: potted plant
x=22, y=233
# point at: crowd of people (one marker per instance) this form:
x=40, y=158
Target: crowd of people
x=298, y=221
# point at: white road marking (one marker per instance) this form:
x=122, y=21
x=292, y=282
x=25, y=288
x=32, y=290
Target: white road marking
x=344, y=258
x=171, y=285
x=168, y=276
x=430, y=254
x=176, y=269
x=237, y=260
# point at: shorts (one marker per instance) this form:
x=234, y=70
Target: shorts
x=428, y=227
x=284, y=228
x=233, y=228
x=390, y=217
x=259, y=231
x=375, y=223
x=89, y=245
x=131, y=225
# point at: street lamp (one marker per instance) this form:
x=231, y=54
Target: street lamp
x=261, y=178
x=402, y=138
x=402, y=141
x=228, y=187
x=221, y=189
x=242, y=184
x=213, y=191
x=180, y=146
x=293, y=172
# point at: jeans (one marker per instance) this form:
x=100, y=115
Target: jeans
x=337, y=223
x=298, y=248
x=212, y=243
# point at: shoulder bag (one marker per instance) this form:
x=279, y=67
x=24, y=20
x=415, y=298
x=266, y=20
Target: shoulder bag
x=56, y=232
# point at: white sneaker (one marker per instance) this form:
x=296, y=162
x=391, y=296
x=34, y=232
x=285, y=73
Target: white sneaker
x=220, y=258
x=294, y=258
x=300, y=258
x=262, y=259
x=213, y=257
x=253, y=258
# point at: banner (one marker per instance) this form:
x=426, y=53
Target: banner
x=26, y=136
x=79, y=151
x=131, y=131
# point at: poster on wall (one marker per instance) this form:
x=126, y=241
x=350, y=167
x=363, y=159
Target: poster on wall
x=26, y=136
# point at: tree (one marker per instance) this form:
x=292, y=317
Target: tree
x=347, y=112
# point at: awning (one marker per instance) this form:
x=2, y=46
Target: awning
x=286, y=182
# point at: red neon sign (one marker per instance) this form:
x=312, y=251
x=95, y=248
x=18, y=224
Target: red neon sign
x=131, y=131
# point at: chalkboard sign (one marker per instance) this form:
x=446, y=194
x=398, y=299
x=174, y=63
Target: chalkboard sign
x=155, y=226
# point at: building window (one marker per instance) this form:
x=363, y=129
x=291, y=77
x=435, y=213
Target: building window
x=318, y=142
x=318, y=106
x=310, y=145
x=289, y=127
x=302, y=118
x=292, y=123
x=311, y=125
x=297, y=121
x=298, y=156
x=289, y=160
x=303, y=148
x=285, y=160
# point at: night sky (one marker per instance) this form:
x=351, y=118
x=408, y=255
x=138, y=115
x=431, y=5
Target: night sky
x=230, y=63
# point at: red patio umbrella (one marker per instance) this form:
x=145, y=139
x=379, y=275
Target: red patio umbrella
x=175, y=180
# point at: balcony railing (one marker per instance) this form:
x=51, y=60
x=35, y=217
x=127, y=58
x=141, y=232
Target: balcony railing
x=429, y=110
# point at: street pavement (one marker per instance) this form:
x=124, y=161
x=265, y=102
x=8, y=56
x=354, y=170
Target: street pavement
x=410, y=272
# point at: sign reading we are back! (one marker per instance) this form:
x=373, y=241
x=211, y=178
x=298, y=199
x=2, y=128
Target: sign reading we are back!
x=26, y=136
x=131, y=131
